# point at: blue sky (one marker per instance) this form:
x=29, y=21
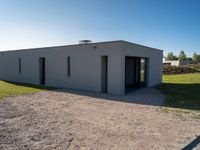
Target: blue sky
x=170, y=25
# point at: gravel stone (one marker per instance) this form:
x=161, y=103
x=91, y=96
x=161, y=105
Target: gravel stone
x=74, y=119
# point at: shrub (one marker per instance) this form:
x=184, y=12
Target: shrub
x=181, y=69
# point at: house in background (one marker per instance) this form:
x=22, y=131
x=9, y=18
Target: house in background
x=175, y=62
x=109, y=67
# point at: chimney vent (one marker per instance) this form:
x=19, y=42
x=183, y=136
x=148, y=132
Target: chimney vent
x=85, y=41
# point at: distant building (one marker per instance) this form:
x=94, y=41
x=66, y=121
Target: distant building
x=175, y=62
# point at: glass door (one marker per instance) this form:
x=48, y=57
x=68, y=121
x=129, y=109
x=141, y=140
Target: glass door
x=143, y=72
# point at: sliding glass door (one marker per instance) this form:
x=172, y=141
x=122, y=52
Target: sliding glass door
x=143, y=72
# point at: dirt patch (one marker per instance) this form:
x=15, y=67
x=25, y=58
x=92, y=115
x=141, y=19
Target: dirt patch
x=83, y=120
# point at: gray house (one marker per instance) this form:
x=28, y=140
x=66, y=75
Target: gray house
x=111, y=67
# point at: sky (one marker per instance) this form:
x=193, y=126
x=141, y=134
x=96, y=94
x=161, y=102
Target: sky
x=170, y=25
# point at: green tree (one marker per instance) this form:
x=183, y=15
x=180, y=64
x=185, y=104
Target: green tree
x=170, y=56
x=182, y=56
x=196, y=57
x=175, y=57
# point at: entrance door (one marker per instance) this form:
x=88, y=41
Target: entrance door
x=104, y=74
x=135, y=72
x=132, y=72
x=42, y=70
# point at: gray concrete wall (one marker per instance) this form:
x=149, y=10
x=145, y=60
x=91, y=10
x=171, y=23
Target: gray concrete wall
x=85, y=65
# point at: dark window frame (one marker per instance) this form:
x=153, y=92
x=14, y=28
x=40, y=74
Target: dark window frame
x=42, y=70
x=20, y=65
x=68, y=66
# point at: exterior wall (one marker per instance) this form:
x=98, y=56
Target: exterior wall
x=85, y=66
x=154, y=61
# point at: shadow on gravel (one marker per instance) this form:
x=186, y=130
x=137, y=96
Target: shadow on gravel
x=193, y=144
x=145, y=96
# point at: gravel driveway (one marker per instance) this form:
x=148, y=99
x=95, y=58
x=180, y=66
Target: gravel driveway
x=82, y=120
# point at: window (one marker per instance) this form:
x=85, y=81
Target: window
x=19, y=63
x=68, y=66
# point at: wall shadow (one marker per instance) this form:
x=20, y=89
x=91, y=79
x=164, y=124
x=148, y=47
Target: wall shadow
x=193, y=144
x=183, y=96
x=144, y=96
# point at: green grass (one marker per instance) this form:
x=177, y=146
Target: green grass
x=182, y=91
x=182, y=78
x=12, y=89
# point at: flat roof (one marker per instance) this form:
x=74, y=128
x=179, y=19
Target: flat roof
x=95, y=43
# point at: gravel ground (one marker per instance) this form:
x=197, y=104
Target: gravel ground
x=82, y=120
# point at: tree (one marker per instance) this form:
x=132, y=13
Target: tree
x=182, y=56
x=175, y=57
x=170, y=56
x=196, y=57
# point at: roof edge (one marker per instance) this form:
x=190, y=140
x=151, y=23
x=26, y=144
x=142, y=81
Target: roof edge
x=95, y=43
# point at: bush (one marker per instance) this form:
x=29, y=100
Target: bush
x=194, y=66
x=181, y=69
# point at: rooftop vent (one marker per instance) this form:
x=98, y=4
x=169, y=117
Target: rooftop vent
x=85, y=41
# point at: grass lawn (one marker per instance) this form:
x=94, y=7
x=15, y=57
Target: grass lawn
x=12, y=89
x=182, y=91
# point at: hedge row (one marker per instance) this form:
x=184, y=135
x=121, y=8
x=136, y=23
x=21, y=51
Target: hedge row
x=194, y=66
x=181, y=69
